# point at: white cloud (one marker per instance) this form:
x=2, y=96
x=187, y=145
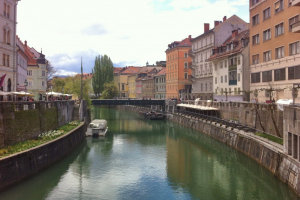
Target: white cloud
x=131, y=31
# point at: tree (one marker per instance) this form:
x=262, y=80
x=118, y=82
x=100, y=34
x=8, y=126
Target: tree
x=50, y=70
x=102, y=73
x=110, y=91
x=58, y=84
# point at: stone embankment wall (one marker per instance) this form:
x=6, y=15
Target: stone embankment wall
x=266, y=153
x=263, y=117
x=20, y=121
x=24, y=164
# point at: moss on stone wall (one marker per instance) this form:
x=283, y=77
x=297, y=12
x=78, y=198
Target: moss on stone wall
x=25, y=124
x=49, y=120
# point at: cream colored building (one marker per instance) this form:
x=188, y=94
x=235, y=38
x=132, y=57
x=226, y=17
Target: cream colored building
x=36, y=72
x=8, y=21
x=274, y=49
x=202, y=46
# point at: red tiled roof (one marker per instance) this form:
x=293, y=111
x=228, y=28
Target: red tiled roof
x=238, y=48
x=117, y=69
x=161, y=72
x=31, y=58
x=131, y=70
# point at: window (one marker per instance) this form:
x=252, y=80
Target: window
x=239, y=77
x=238, y=60
x=255, y=77
x=267, y=34
x=255, y=20
x=255, y=59
x=6, y=10
x=225, y=78
x=185, y=65
x=279, y=74
x=267, y=76
x=279, y=29
x=185, y=76
x=267, y=13
x=4, y=59
x=216, y=80
x=43, y=73
x=279, y=52
x=185, y=55
x=253, y=2
x=8, y=37
x=7, y=60
x=293, y=21
x=29, y=73
x=221, y=64
x=255, y=39
x=278, y=6
x=221, y=79
x=43, y=83
x=225, y=63
x=294, y=72
x=267, y=56
x=295, y=48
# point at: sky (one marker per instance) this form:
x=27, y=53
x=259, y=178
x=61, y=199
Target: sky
x=130, y=32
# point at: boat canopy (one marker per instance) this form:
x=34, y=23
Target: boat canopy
x=98, y=123
x=196, y=107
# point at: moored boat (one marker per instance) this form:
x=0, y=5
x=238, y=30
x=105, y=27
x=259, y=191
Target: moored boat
x=98, y=127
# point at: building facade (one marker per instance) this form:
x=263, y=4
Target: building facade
x=202, y=46
x=131, y=73
x=8, y=23
x=231, y=68
x=36, y=72
x=160, y=84
x=178, y=73
x=22, y=61
x=274, y=49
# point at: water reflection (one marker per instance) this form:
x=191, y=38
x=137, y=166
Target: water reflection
x=210, y=170
x=151, y=160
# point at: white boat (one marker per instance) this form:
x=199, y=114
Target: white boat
x=97, y=127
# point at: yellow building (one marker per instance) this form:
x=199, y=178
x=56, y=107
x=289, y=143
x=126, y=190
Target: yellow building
x=127, y=82
x=132, y=86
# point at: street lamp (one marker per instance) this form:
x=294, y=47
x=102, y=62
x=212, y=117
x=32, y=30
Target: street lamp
x=26, y=84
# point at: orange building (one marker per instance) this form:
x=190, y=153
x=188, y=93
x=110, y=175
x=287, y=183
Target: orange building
x=274, y=49
x=178, y=73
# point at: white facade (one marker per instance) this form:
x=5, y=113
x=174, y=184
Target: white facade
x=202, y=47
x=8, y=43
x=227, y=83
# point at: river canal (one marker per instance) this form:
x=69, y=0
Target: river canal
x=151, y=160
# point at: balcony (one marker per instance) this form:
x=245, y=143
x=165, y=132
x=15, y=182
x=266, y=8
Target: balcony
x=295, y=2
x=232, y=82
x=296, y=27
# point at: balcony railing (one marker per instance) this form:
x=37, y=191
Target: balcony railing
x=295, y=2
x=232, y=82
x=296, y=27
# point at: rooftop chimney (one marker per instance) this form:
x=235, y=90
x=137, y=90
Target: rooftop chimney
x=217, y=23
x=25, y=43
x=224, y=18
x=206, y=27
x=190, y=37
x=235, y=33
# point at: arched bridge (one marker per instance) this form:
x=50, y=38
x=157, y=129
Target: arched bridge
x=135, y=102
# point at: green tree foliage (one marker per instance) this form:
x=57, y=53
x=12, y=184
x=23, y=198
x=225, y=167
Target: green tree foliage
x=71, y=85
x=103, y=72
x=110, y=91
x=58, y=84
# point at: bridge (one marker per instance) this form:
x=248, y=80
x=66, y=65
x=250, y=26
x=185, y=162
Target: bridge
x=135, y=102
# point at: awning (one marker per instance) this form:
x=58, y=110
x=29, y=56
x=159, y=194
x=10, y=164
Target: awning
x=56, y=94
x=196, y=107
x=22, y=93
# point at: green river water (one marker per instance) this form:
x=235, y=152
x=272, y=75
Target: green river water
x=151, y=160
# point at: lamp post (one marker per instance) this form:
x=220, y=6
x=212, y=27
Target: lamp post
x=25, y=84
